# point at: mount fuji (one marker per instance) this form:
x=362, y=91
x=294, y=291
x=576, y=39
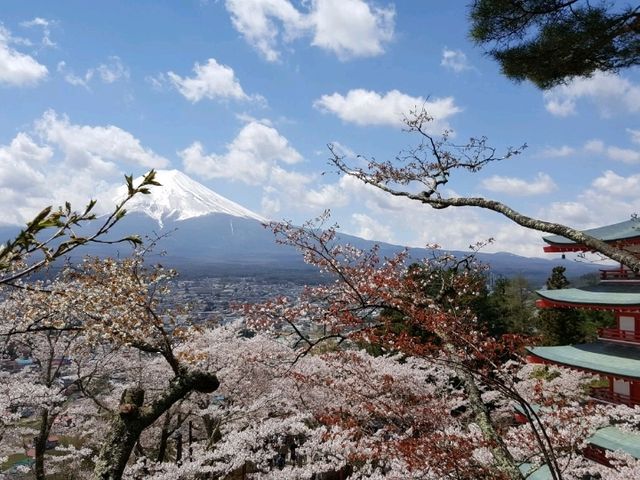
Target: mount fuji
x=203, y=234
x=180, y=198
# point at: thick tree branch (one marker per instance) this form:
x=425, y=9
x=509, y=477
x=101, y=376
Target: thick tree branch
x=432, y=164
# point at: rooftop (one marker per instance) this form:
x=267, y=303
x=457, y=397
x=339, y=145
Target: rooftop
x=604, y=295
x=613, y=438
x=616, y=359
x=533, y=473
x=628, y=231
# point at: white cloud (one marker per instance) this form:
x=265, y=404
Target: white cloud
x=560, y=107
x=327, y=196
x=249, y=157
x=634, y=134
x=543, y=183
x=610, y=198
x=20, y=162
x=158, y=82
x=370, y=229
x=366, y=107
x=23, y=149
x=95, y=147
x=59, y=161
x=46, y=30
x=286, y=180
x=255, y=20
x=18, y=69
x=573, y=213
x=613, y=184
x=351, y=28
x=455, y=60
x=77, y=81
x=619, y=154
x=371, y=197
x=113, y=70
x=452, y=228
x=270, y=206
x=109, y=72
x=554, y=152
x=624, y=155
x=610, y=93
x=258, y=156
x=594, y=146
x=347, y=28
x=293, y=189
x=211, y=80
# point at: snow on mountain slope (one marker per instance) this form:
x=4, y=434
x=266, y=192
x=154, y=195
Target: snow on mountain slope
x=180, y=197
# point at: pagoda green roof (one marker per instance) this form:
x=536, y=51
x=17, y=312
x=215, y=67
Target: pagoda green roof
x=540, y=473
x=613, y=438
x=609, y=438
x=618, y=231
x=605, y=294
x=617, y=359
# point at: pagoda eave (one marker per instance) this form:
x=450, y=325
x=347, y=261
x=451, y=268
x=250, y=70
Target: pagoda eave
x=603, y=358
x=546, y=303
x=536, y=359
x=566, y=248
x=613, y=296
x=580, y=247
x=618, y=235
x=613, y=438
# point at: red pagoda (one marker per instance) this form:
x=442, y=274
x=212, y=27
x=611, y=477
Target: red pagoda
x=615, y=356
x=616, y=353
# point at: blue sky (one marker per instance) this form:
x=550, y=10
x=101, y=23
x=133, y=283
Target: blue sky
x=244, y=96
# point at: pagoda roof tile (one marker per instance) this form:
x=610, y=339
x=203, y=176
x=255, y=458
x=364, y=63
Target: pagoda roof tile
x=613, y=438
x=617, y=359
x=604, y=294
x=535, y=473
x=609, y=233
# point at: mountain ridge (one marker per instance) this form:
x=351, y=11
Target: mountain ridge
x=206, y=234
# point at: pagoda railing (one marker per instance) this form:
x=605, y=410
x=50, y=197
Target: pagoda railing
x=606, y=395
x=618, y=274
x=617, y=334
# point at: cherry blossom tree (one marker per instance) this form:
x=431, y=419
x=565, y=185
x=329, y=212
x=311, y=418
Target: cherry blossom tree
x=354, y=306
x=98, y=314
x=388, y=416
x=432, y=301
x=49, y=236
x=105, y=306
x=278, y=414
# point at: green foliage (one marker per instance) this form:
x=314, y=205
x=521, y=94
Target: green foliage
x=543, y=372
x=592, y=321
x=563, y=326
x=509, y=307
x=557, y=280
x=548, y=41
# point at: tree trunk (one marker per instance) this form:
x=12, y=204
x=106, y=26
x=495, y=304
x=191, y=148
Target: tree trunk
x=164, y=437
x=40, y=444
x=124, y=432
x=504, y=460
x=132, y=418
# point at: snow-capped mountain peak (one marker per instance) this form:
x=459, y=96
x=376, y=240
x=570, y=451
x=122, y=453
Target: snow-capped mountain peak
x=180, y=197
